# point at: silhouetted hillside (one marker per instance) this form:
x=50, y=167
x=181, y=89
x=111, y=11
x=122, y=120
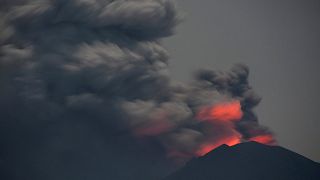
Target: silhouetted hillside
x=249, y=161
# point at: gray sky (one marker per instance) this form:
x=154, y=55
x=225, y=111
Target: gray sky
x=278, y=40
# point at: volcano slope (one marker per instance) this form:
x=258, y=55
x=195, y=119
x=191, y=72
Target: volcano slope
x=249, y=161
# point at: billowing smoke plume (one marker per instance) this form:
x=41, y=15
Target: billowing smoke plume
x=85, y=92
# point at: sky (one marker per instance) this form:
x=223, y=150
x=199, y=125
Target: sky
x=100, y=89
x=278, y=40
x=86, y=92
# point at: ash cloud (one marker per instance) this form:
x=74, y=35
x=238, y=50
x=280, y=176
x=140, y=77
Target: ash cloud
x=85, y=92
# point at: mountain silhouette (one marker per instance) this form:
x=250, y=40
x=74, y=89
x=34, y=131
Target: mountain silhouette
x=249, y=161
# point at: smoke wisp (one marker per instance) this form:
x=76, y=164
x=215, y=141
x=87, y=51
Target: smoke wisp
x=85, y=91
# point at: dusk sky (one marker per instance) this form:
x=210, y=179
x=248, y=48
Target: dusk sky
x=278, y=40
x=134, y=89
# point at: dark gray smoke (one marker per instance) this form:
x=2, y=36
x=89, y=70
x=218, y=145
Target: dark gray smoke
x=85, y=92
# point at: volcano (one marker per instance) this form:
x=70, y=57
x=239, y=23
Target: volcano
x=249, y=161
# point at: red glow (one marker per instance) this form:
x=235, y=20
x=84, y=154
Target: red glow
x=226, y=111
x=153, y=128
x=230, y=141
x=264, y=139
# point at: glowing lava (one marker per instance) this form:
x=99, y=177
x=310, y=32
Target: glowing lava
x=226, y=111
x=221, y=114
x=264, y=139
x=230, y=141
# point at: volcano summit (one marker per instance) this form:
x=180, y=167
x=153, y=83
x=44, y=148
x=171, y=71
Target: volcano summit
x=249, y=161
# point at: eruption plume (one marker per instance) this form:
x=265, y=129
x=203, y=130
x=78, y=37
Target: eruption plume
x=264, y=139
x=85, y=86
x=229, y=111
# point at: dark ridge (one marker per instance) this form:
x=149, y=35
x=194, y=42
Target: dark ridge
x=249, y=161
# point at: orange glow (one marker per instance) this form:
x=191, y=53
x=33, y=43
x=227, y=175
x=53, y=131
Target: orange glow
x=264, y=139
x=230, y=141
x=153, y=128
x=226, y=111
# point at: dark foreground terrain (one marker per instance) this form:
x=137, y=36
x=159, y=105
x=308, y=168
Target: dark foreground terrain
x=249, y=161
